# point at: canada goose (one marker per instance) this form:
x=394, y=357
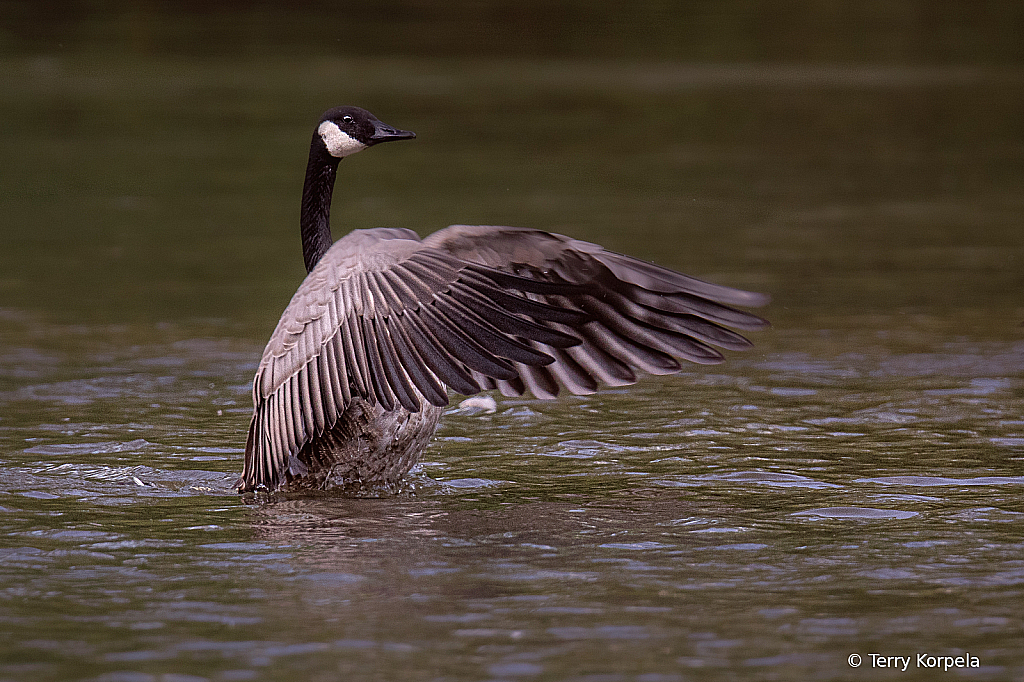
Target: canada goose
x=354, y=378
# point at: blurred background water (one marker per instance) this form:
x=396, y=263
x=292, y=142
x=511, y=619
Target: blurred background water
x=852, y=485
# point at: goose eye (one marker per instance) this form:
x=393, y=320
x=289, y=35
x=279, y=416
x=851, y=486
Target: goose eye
x=347, y=119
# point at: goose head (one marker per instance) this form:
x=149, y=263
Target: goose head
x=347, y=130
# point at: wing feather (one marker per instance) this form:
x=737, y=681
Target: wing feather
x=355, y=356
x=275, y=412
x=538, y=310
x=649, y=336
x=630, y=352
x=305, y=408
x=571, y=374
x=424, y=380
x=381, y=389
x=504, y=322
x=684, y=323
x=293, y=428
x=339, y=370
x=489, y=338
x=438, y=358
x=539, y=381
x=510, y=389
x=465, y=348
x=393, y=368
x=316, y=396
x=328, y=379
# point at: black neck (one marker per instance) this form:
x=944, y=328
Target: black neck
x=316, y=204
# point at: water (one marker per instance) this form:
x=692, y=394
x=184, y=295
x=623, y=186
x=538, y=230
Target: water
x=853, y=485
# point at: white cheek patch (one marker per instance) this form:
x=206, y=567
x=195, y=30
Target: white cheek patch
x=339, y=143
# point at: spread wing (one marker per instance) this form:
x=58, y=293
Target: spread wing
x=639, y=315
x=397, y=321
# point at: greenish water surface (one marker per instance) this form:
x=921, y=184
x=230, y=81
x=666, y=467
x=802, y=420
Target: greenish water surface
x=853, y=485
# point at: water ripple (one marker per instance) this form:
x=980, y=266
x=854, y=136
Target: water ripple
x=857, y=513
x=930, y=481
